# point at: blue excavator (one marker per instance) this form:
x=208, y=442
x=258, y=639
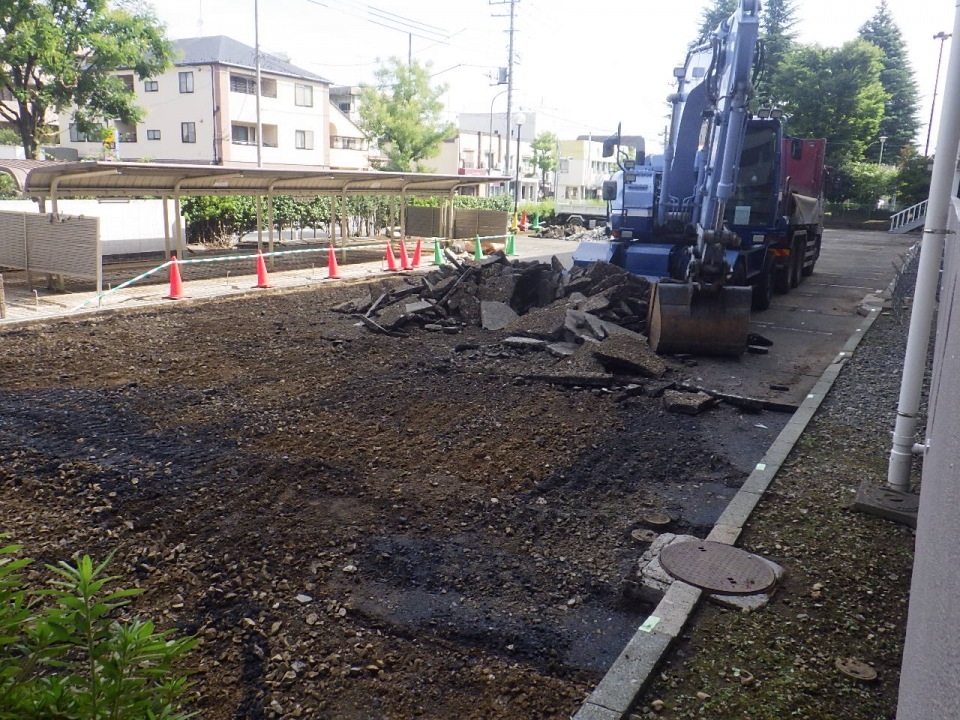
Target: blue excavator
x=732, y=210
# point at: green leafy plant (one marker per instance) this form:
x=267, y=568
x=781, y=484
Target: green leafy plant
x=65, y=653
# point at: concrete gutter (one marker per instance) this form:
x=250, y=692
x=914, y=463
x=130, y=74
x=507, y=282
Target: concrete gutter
x=631, y=671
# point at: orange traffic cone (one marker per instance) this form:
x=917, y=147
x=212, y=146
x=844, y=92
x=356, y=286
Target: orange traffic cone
x=404, y=260
x=391, y=260
x=176, y=284
x=416, y=254
x=523, y=220
x=333, y=270
x=262, y=280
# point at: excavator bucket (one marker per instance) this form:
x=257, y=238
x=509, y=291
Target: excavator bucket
x=685, y=319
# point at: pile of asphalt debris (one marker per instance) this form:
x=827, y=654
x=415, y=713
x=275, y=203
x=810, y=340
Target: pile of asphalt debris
x=592, y=318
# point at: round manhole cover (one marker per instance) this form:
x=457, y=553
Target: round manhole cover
x=717, y=567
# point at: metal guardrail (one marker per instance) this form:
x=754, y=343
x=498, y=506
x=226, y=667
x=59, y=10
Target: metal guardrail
x=913, y=216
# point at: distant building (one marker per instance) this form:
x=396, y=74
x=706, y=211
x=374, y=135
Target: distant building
x=204, y=110
x=581, y=169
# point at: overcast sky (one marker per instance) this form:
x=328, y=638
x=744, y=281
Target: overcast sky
x=582, y=66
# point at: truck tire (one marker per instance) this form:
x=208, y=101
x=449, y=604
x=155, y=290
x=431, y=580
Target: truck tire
x=782, y=277
x=807, y=270
x=763, y=285
x=797, y=255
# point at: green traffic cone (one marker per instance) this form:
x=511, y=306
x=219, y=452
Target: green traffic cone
x=536, y=222
x=477, y=250
x=511, y=245
x=437, y=254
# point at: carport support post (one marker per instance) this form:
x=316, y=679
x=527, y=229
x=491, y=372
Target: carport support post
x=178, y=233
x=270, y=227
x=343, y=224
x=390, y=199
x=166, y=226
x=450, y=216
x=403, y=213
x=332, y=223
x=259, y=223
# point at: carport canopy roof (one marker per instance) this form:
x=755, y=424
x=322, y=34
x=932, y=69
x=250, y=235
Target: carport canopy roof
x=99, y=178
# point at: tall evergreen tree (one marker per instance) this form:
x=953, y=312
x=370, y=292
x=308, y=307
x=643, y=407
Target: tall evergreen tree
x=776, y=29
x=835, y=93
x=713, y=15
x=900, y=121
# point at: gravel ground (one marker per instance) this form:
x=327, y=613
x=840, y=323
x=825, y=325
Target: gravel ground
x=367, y=527
x=847, y=578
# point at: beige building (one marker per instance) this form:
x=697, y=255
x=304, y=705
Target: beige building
x=582, y=169
x=204, y=110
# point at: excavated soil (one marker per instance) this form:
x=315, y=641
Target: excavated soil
x=354, y=525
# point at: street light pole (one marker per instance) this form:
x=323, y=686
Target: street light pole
x=519, y=119
x=883, y=139
x=942, y=37
x=490, y=153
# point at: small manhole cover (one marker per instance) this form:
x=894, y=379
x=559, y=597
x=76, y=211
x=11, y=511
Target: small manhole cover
x=657, y=519
x=644, y=535
x=717, y=567
x=893, y=499
x=856, y=669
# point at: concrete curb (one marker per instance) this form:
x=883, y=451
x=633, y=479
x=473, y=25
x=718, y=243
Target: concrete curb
x=631, y=671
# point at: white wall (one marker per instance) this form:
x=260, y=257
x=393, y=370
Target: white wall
x=125, y=227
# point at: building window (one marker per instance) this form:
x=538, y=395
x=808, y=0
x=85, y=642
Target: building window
x=243, y=84
x=153, y=134
x=188, y=132
x=303, y=95
x=151, y=86
x=304, y=139
x=77, y=136
x=126, y=132
x=243, y=134
x=127, y=81
x=341, y=142
x=186, y=82
x=344, y=107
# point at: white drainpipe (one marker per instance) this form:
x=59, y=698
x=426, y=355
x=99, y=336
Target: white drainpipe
x=928, y=276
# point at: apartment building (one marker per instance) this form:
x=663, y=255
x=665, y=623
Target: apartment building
x=204, y=110
x=581, y=169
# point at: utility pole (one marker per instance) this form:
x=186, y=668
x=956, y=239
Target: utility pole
x=256, y=51
x=942, y=37
x=513, y=12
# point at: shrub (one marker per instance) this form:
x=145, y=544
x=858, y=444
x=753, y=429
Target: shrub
x=64, y=653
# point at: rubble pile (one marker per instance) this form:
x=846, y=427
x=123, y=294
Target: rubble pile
x=533, y=299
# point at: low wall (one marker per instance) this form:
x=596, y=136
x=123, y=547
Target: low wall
x=126, y=227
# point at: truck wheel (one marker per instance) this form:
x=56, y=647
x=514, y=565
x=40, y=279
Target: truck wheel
x=807, y=270
x=797, y=256
x=763, y=285
x=782, y=277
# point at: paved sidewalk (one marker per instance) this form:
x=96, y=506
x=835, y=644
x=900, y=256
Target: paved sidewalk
x=39, y=303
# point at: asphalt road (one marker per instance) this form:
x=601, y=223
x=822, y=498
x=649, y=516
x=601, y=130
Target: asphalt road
x=809, y=325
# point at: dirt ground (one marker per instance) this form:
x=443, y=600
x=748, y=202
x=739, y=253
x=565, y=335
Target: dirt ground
x=354, y=525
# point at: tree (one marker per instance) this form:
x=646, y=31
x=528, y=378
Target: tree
x=900, y=120
x=913, y=177
x=776, y=29
x=402, y=112
x=713, y=15
x=58, y=53
x=834, y=93
x=544, y=148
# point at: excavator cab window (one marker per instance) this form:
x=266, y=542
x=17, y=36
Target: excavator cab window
x=755, y=199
